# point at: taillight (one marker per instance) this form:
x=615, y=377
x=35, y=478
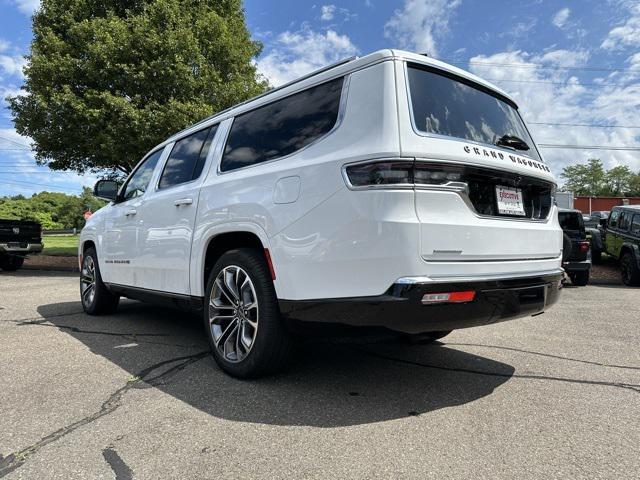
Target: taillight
x=381, y=173
x=584, y=247
x=403, y=173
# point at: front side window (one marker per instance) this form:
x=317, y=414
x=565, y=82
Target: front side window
x=613, y=220
x=139, y=180
x=187, y=157
x=282, y=127
x=623, y=222
x=446, y=106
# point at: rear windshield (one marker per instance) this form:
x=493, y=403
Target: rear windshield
x=571, y=221
x=445, y=106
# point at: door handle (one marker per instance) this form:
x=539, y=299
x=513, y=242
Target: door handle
x=183, y=201
x=131, y=213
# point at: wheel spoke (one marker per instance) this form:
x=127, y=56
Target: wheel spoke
x=226, y=333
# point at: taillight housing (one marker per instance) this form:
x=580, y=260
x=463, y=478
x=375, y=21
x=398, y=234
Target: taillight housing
x=402, y=173
x=584, y=247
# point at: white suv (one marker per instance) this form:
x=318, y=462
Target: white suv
x=391, y=190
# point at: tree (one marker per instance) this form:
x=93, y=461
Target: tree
x=584, y=179
x=634, y=185
x=618, y=180
x=106, y=80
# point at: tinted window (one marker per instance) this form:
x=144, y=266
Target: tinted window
x=282, y=127
x=623, y=222
x=570, y=221
x=445, y=106
x=613, y=220
x=635, y=225
x=187, y=158
x=139, y=181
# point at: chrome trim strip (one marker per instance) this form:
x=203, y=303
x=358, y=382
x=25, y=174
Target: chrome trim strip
x=472, y=278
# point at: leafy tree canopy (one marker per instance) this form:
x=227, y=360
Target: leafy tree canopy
x=52, y=209
x=106, y=80
x=593, y=180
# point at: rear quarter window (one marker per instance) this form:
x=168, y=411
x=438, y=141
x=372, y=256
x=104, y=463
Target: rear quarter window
x=282, y=127
x=570, y=221
x=635, y=225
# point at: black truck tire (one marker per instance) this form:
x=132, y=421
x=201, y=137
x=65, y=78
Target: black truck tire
x=579, y=279
x=10, y=263
x=629, y=269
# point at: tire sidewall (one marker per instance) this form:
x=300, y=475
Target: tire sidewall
x=269, y=323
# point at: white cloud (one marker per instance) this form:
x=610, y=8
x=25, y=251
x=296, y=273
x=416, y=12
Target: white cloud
x=420, y=24
x=556, y=96
x=12, y=65
x=627, y=34
x=561, y=17
x=293, y=54
x=327, y=12
x=27, y=6
x=4, y=45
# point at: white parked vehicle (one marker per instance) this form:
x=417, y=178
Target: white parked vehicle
x=392, y=190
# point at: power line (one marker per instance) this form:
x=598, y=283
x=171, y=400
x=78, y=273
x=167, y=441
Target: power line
x=53, y=187
x=588, y=147
x=583, y=125
x=568, y=84
x=542, y=67
x=7, y=139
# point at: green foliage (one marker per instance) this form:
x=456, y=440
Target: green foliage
x=109, y=79
x=53, y=210
x=592, y=180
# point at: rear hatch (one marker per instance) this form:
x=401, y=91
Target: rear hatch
x=483, y=194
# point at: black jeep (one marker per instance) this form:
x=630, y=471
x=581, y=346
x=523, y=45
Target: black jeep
x=576, y=259
x=621, y=236
x=18, y=238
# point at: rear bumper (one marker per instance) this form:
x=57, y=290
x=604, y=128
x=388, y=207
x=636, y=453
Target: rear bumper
x=401, y=308
x=576, y=265
x=20, y=248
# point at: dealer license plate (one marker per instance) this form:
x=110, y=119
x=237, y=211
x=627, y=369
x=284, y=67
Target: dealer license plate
x=509, y=201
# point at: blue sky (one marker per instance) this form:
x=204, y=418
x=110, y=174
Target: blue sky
x=575, y=62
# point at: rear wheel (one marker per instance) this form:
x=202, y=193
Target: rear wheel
x=242, y=318
x=426, y=338
x=11, y=263
x=95, y=296
x=580, y=279
x=629, y=270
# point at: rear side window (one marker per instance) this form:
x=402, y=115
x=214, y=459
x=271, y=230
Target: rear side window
x=282, y=127
x=635, y=225
x=187, y=157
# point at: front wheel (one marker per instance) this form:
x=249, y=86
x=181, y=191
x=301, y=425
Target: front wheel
x=242, y=318
x=11, y=263
x=629, y=270
x=95, y=296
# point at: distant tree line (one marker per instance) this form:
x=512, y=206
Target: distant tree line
x=52, y=209
x=591, y=179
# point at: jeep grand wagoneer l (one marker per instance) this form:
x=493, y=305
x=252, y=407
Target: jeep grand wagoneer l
x=391, y=190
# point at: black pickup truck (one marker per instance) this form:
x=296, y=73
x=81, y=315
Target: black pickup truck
x=18, y=238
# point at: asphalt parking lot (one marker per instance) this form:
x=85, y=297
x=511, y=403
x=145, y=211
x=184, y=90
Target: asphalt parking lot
x=135, y=395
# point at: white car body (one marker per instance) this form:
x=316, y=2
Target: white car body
x=326, y=238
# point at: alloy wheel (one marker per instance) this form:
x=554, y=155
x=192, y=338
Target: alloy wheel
x=88, y=280
x=233, y=313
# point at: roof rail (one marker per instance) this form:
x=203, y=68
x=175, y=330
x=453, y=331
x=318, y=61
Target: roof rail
x=270, y=91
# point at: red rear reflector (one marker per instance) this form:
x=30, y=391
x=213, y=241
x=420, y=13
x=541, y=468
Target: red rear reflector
x=450, y=297
x=584, y=247
x=267, y=255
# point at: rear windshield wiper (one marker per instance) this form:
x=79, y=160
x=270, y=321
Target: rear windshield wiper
x=511, y=141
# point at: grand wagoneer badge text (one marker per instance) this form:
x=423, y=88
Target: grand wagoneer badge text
x=514, y=158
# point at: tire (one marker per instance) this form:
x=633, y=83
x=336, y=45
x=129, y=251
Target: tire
x=567, y=247
x=580, y=279
x=95, y=297
x=11, y=263
x=247, y=339
x=629, y=270
x=426, y=338
x=596, y=255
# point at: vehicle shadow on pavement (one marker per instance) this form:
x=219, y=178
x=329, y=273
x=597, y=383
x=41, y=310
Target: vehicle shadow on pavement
x=327, y=384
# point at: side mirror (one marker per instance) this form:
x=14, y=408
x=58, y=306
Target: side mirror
x=603, y=222
x=106, y=190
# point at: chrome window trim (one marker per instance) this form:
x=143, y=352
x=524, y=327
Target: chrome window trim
x=472, y=278
x=439, y=136
x=344, y=93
